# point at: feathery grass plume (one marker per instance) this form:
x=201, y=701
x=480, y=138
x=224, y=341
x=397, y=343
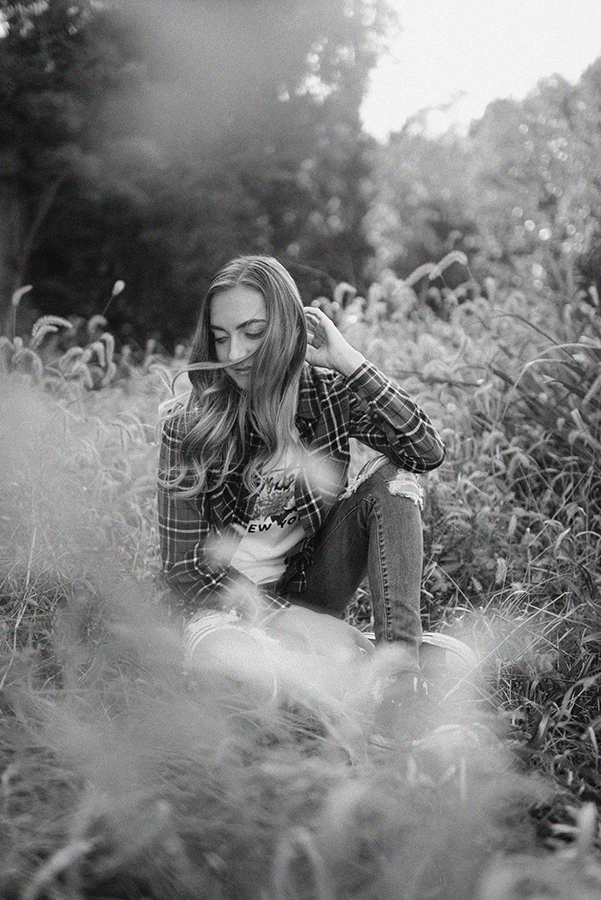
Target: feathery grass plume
x=511, y=530
x=69, y=486
x=47, y=325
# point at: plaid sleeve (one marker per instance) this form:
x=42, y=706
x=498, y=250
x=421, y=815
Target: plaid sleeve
x=384, y=417
x=183, y=531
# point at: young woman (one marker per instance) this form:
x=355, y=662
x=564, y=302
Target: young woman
x=253, y=498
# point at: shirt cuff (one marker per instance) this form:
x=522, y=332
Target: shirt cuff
x=367, y=378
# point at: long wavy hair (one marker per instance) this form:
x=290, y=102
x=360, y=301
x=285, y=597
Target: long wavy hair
x=218, y=416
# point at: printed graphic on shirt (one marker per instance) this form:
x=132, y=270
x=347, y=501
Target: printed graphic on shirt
x=274, y=529
x=275, y=501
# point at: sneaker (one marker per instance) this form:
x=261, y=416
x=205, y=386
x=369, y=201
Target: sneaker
x=397, y=698
x=441, y=655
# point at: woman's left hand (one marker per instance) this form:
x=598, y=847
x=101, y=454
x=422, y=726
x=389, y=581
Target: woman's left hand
x=327, y=347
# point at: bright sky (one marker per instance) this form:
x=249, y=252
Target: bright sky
x=485, y=48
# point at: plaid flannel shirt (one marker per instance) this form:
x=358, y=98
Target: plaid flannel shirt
x=331, y=410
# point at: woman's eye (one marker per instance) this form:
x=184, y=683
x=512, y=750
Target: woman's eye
x=254, y=335
x=220, y=340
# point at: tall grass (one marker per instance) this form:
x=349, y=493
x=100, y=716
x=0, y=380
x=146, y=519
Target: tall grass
x=123, y=778
x=512, y=520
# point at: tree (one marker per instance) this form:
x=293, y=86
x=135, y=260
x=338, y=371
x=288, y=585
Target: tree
x=55, y=70
x=424, y=200
x=284, y=122
x=537, y=163
x=521, y=194
x=149, y=143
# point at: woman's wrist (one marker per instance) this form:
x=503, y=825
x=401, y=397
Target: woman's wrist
x=350, y=362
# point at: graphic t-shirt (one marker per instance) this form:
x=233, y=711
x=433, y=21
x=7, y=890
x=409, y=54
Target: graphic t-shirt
x=274, y=528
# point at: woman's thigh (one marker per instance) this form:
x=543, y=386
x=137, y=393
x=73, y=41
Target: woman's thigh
x=343, y=544
x=339, y=562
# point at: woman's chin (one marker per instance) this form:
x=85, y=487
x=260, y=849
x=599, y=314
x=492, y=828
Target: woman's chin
x=240, y=379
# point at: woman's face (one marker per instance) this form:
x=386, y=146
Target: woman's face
x=238, y=319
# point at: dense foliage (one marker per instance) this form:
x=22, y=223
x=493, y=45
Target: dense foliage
x=150, y=142
x=519, y=194
x=147, y=145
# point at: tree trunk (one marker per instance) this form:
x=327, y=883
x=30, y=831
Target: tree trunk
x=10, y=241
x=17, y=242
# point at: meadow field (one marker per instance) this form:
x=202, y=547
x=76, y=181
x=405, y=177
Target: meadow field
x=122, y=778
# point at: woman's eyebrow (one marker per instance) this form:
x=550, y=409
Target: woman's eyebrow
x=241, y=325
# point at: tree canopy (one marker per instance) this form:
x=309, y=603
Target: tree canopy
x=520, y=194
x=149, y=142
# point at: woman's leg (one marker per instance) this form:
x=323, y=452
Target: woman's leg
x=375, y=528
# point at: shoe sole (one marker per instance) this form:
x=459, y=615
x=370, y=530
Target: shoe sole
x=441, y=652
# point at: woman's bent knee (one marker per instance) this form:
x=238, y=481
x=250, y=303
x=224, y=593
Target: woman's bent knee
x=381, y=476
x=405, y=484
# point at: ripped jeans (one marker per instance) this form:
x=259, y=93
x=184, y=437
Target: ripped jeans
x=375, y=528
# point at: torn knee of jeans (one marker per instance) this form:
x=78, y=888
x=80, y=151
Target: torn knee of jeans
x=404, y=484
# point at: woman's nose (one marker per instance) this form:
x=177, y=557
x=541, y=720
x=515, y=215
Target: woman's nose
x=237, y=349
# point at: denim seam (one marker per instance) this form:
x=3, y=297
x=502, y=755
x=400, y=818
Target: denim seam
x=379, y=463
x=377, y=514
